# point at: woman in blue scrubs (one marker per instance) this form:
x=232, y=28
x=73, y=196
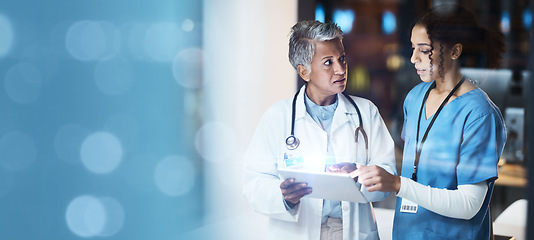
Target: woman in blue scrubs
x=453, y=134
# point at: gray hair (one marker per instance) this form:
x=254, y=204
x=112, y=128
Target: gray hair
x=304, y=34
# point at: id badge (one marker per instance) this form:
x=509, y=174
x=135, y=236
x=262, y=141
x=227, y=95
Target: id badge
x=408, y=206
x=292, y=161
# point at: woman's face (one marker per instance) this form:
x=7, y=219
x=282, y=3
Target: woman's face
x=421, y=55
x=328, y=69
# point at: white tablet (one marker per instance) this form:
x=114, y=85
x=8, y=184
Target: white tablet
x=326, y=185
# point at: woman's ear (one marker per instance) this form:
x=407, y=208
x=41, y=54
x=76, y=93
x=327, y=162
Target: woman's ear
x=456, y=51
x=303, y=73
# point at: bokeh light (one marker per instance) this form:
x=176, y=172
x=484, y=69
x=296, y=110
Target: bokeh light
x=163, y=41
x=505, y=22
x=114, y=216
x=90, y=40
x=187, y=68
x=174, y=175
x=319, y=13
x=389, y=22
x=85, y=216
x=86, y=40
x=527, y=18
x=113, y=40
x=135, y=39
x=88, y=216
x=188, y=25
x=113, y=76
x=344, y=19
x=6, y=31
x=101, y=152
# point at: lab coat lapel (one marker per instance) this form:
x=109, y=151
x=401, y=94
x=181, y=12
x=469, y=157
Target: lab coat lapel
x=344, y=108
x=342, y=133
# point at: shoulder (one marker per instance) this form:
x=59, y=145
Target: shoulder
x=278, y=109
x=478, y=105
x=363, y=103
x=367, y=108
x=479, y=102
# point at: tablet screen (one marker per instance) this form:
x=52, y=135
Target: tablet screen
x=326, y=185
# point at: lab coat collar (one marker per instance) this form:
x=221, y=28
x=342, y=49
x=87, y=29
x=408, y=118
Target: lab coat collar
x=343, y=112
x=341, y=116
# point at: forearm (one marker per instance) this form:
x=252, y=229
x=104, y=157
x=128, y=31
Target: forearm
x=463, y=203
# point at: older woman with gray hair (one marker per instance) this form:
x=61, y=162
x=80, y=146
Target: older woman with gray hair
x=320, y=129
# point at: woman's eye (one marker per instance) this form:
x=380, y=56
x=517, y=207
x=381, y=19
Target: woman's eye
x=328, y=62
x=425, y=51
x=342, y=59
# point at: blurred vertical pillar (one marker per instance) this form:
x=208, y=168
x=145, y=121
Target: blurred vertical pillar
x=529, y=109
x=245, y=70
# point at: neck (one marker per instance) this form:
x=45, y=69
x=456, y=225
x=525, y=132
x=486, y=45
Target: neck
x=449, y=82
x=321, y=100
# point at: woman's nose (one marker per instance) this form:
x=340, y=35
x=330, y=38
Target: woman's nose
x=340, y=68
x=414, y=58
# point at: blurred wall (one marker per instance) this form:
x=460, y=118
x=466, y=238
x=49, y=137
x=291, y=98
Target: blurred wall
x=246, y=69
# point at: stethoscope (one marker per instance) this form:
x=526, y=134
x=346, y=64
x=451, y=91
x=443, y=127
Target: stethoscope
x=293, y=142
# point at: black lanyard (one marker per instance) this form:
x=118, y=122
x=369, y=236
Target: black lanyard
x=419, y=147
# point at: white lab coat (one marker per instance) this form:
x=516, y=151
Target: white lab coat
x=266, y=151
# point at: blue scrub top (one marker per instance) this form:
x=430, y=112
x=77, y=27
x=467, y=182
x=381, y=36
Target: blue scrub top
x=463, y=147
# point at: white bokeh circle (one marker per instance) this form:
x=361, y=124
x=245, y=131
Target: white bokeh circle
x=135, y=39
x=101, y=152
x=187, y=67
x=175, y=175
x=89, y=216
x=114, y=216
x=163, y=41
x=85, y=40
x=86, y=216
x=90, y=40
x=6, y=31
x=188, y=25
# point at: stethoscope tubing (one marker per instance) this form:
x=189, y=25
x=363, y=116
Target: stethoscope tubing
x=293, y=142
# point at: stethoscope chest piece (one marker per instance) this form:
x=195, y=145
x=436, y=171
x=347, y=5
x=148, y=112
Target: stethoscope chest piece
x=292, y=142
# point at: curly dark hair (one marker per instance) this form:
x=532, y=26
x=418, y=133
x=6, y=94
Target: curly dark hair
x=450, y=24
